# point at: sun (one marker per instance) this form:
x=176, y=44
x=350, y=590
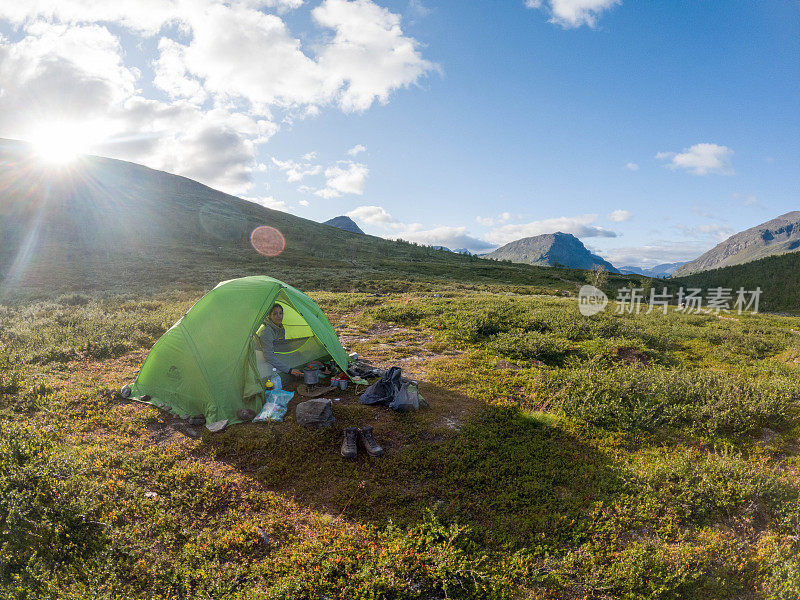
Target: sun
x=59, y=143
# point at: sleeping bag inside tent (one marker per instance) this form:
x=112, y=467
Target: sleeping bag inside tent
x=206, y=363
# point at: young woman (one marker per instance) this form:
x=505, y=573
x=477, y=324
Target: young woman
x=272, y=334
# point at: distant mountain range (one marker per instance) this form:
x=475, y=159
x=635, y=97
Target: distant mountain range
x=778, y=236
x=344, y=222
x=551, y=249
x=456, y=251
x=662, y=271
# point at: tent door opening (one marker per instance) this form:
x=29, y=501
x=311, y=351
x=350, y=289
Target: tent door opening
x=301, y=345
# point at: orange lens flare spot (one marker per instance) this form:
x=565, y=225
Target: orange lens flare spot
x=267, y=240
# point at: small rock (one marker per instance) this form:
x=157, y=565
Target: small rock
x=767, y=434
x=217, y=426
x=245, y=414
x=265, y=542
x=150, y=495
x=504, y=364
x=186, y=430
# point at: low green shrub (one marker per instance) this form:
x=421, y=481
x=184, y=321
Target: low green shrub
x=529, y=345
x=705, y=401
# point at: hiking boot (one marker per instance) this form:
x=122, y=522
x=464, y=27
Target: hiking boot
x=370, y=445
x=350, y=443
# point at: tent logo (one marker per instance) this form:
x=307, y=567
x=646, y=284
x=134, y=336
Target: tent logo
x=174, y=373
x=591, y=300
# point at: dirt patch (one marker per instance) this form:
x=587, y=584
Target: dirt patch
x=505, y=364
x=632, y=356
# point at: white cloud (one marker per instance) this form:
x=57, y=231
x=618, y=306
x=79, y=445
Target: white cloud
x=632, y=166
x=282, y=75
x=68, y=68
x=269, y=202
x=580, y=226
x=492, y=221
x=61, y=73
x=700, y=159
x=296, y=171
x=619, y=215
x=64, y=77
x=450, y=237
x=748, y=199
x=660, y=252
x=357, y=149
x=418, y=9
x=143, y=17
x=304, y=203
x=369, y=56
x=574, y=13
x=373, y=215
x=347, y=177
x=171, y=74
x=280, y=5
x=715, y=231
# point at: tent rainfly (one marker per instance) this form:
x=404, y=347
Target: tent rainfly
x=206, y=362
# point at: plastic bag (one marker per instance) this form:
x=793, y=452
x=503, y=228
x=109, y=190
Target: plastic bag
x=383, y=390
x=406, y=399
x=275, y=406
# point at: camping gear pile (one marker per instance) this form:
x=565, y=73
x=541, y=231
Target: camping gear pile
x=209, y=369
x=394, y=391
x=207, y=364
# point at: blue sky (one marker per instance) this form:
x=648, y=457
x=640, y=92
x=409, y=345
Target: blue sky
x=650, y=130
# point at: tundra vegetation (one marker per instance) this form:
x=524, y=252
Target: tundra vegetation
x=614, y=456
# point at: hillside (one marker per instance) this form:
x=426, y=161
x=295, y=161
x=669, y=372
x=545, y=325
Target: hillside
x=344, y=222
x=551, y=249
x=109, y=225
x=777, y=276
x=778, y=236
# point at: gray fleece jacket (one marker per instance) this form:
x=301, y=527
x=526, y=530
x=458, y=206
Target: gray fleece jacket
x=271, y=337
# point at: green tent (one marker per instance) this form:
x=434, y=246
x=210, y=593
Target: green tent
x=206, y=363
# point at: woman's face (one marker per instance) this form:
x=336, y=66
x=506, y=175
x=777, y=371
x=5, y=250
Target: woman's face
x=276, y=315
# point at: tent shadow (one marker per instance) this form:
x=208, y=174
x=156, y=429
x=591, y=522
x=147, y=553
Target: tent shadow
x=515, y=478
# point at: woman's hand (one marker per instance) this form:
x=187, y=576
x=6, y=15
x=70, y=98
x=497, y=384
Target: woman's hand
x=296, y=372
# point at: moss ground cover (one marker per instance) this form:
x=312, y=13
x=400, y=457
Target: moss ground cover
x=618, y=456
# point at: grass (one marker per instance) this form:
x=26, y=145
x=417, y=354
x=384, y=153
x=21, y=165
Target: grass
x=547, y=466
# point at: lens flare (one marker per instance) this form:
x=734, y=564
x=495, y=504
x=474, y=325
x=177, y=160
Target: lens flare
x=267, y=241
